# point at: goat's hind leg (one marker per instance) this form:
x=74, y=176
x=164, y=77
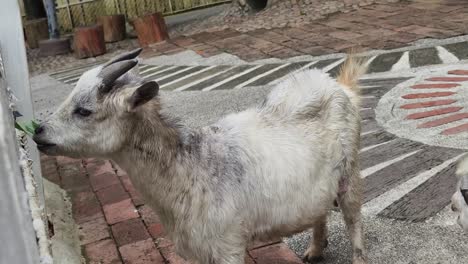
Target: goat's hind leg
x=318, y=242
x=350, y=204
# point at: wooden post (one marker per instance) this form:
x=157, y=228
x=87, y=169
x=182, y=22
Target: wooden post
x=150, y=29
x=35, y=30
x=89, y=41
x=52, y=47
x=114, y=27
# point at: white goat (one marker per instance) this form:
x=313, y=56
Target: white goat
x=263, y=173
x=460, y=197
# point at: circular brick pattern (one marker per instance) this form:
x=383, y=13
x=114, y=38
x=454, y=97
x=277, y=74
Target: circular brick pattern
x=429, y=108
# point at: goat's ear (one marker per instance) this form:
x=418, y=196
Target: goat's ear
x=143, y=94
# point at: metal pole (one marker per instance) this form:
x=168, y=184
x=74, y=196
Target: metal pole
x=49, y=6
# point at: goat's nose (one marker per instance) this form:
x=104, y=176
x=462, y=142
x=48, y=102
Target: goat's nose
x=39, y=130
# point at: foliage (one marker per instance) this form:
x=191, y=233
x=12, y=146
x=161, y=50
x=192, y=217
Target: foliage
x=27, y=127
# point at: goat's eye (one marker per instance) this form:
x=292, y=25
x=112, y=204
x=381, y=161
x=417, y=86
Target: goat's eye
x=82, y=112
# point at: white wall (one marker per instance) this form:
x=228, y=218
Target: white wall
x=16, y=70
x=16, y=225
x=16, y=230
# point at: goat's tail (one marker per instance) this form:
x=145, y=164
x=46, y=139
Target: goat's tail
x=350, y=72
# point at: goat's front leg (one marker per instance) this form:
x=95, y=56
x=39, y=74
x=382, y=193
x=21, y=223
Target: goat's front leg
x=350, y=204
x=318, y=242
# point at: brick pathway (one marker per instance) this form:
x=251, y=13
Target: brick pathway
x=115, y=225
x=378, y=26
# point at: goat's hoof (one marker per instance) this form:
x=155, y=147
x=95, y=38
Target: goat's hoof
x=313, y=259
x=359, y=260
x=325, y=243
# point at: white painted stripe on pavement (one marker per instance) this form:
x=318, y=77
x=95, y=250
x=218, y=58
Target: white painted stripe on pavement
x=231, y=78
x=74, y=80
x=203, y=79
x=71, y=80
x=445, y=55
x=374, y=146
x=403, y=63
x=150, y=69
x=380, y=166
x=333, y=65
x=76, y=74
x=69, y=77
x=303, y=68
x=187, y=76
x=370, y=60
x=381, y=202
x=144, y=67
x=369, y=132
x=158, y=72
x=261, y=75
x=172, y=74
x=309, y=64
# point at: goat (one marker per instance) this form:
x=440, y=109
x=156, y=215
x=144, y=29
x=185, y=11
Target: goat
x=460, y=197
x=260, y=174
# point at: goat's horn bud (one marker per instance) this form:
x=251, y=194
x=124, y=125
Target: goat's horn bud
x=112, y=72
x=126, y=56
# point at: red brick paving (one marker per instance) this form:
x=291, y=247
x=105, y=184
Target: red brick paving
x=435, y=112
x=141, y=252
x=377, y=26
x=428, y=104
x=274, y=254
x=448, y=79
x=450, y=82
x=443, y=121
x=102, y=252
x=427, y=95
x=171, y=256
x=93, y=230
x=112, y=194
x=458, y=72
x=85, y=207
x=456, y=130
x=435, y=85
x=120, y=211
x=129, y=231
x=103, y=180
x=115, y=226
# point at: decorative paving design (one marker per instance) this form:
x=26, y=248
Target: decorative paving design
x=207, y=78
x=404, y=179
x=430, y=108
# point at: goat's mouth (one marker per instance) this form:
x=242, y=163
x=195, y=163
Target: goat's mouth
x=43, y=145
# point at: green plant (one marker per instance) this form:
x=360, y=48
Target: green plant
x=27, y=127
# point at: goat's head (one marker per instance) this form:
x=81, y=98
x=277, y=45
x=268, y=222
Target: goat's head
x=93, y=121
x=460, y=197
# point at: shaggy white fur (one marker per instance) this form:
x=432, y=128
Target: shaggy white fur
x=263, y=173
